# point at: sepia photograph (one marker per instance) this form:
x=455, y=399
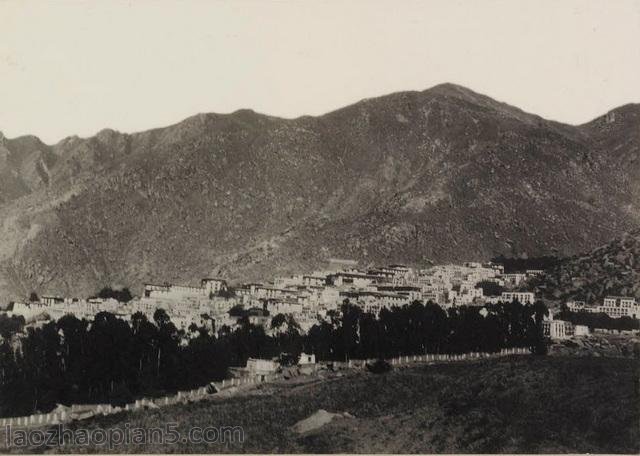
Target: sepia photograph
x=320, y=226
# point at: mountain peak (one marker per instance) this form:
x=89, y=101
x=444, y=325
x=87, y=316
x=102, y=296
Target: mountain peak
x=439, y=175
x=449, y=88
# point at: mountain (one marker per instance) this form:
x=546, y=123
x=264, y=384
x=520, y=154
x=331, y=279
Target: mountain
x=445, y=174
x=24, y=166
x=609, y=270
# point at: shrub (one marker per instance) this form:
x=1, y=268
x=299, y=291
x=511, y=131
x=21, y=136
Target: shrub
x=379, y=367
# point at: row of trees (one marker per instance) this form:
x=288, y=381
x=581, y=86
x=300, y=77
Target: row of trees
x=107, y=360
x=111, y=360
x=420, y=329
x=598, y=320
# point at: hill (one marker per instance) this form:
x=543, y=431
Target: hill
x=530, y=405
x=445, y=174
x=611, y=269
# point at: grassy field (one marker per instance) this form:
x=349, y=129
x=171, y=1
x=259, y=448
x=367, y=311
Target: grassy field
x=519, y=404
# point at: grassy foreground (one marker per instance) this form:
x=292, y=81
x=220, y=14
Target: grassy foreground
x=518, y=404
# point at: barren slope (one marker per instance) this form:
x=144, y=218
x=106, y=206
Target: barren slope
x=442, y=175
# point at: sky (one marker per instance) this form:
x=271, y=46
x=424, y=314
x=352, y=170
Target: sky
x=76, y=67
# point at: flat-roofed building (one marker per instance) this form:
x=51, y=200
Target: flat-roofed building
x=558, y=329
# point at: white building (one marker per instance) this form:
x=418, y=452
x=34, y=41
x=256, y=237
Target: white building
x=307, y=359
x=524, y=297
x=352, y=279
x=620, y=306
x=213, y=285
x=261, y=367
x=514, y=279
x=613, y=306
x=581, y=330
x=558, y=329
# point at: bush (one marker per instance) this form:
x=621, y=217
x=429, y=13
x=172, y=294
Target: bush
x=123, y=295
x=379, y=367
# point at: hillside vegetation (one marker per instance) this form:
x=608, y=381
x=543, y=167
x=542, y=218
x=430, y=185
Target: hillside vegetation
x=440, y=175
x=611, y=269
x=512, y=405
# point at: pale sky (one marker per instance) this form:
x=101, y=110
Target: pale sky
x=77, y=67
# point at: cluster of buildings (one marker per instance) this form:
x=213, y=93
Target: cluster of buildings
x=613, y=306
x=307, y=297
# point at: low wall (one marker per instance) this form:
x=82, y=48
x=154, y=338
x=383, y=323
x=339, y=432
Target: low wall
x=83, y=412
x=361, y=363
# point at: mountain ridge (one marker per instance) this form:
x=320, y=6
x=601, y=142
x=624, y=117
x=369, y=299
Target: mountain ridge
x=439, y=175
x=444, y=88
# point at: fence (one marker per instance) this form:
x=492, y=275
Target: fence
x=400, y=360
x=83, y=412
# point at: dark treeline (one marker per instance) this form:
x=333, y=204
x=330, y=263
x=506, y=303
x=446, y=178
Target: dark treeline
x=123, y=295
x=598, y=320
x=420, y=329
x=513, y=265
x=107, y=360
x=115, y=361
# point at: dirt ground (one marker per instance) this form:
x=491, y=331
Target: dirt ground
x=515, y=404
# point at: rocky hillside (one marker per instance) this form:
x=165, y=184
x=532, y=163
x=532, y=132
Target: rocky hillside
x=24, y=166
x=612, y=269
x=440, y=175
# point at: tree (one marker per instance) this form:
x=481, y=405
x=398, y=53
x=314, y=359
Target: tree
x=490, y=288
x=161, y=317
x=33, y=297
x=348, y=337
x=123, y=295
x=237, y=311
x=10, y=325
x=278, y=321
